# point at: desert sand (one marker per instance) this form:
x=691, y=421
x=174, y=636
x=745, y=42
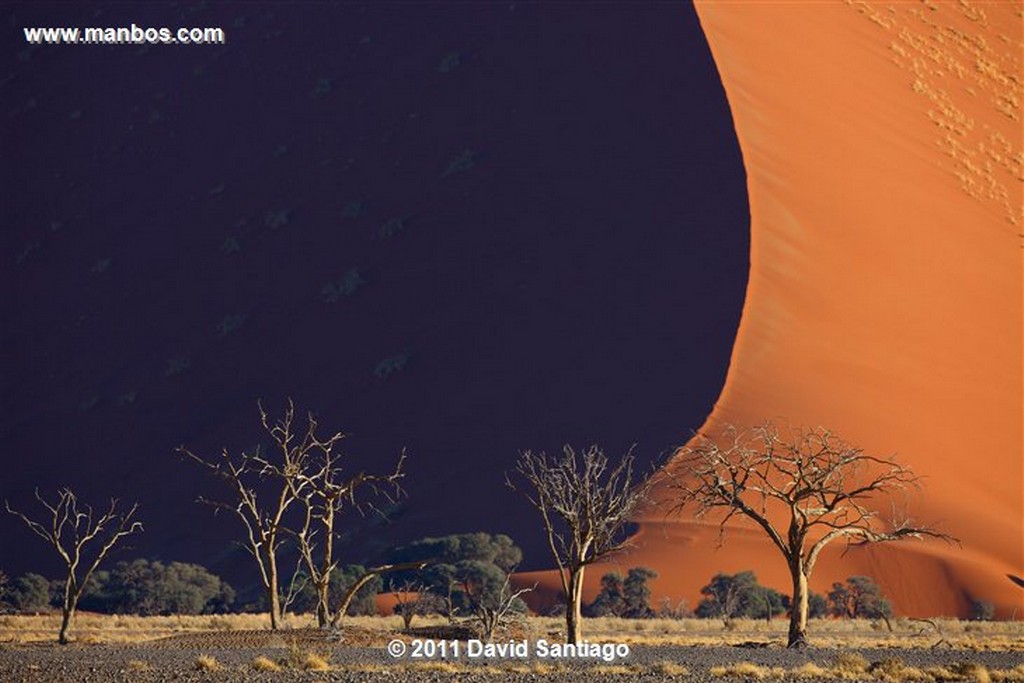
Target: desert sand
x=882, y=146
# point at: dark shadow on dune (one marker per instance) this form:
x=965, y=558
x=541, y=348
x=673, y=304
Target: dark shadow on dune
x=460, y=229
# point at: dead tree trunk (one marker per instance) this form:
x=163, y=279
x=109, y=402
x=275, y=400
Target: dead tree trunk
x=323, y=608
x=67, y=609
x=323, y=577
x=65, y=623
x=798, y=611
x=273, y=593
x=573, y=611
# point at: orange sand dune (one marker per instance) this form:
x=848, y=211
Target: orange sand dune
x=882, y=144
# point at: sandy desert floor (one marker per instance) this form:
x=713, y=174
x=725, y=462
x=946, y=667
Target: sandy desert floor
x=135, y=649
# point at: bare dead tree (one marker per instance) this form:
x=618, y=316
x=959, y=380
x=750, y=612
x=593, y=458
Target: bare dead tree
x=727, y=592
x=805, y=489
x=309, y=482
x=250, y=475
x=585, y=504
x=82, y=539
x=412, y=599
x=308, y=490
x=322, y=490
x=493, y=609
x=407, y=598
x=450, y=610
x=670, y=609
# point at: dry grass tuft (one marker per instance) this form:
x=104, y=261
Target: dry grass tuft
x=810, y=670
x=670, y=669
x=262, y=663
x=970, y=671
x=442, y=666
x=894, y=670
x=941, y=674
x=850, y=666
x=305, y=659
x=367, y=668
x=743, y=670
x=207, y=663
x=534, y=667
x=138, y=665
x=614, y=670
x=314, y=661
x=1013, y=675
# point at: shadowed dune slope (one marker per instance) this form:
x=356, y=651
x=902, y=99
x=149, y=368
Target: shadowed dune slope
x=453, y=228
x=882, y=145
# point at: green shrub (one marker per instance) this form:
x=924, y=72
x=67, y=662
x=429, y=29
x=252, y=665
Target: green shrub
x=860, y=597
x=30, y=593
x=149, y=587
x=739, y=595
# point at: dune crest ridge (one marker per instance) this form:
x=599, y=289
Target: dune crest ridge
x=882, y=144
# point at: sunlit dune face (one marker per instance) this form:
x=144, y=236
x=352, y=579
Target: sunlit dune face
x=882, y=144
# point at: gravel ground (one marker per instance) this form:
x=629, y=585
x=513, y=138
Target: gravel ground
x=149, y=663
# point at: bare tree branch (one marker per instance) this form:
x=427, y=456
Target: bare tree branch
x=368, y=576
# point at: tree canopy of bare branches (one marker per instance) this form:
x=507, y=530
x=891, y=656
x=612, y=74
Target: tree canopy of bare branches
x=494, y=607
x=585, y=503
x=251, y=476
x=294, y=491
x=414, y=598
x=82, y=538
x=322, y=490
x=805, y=488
